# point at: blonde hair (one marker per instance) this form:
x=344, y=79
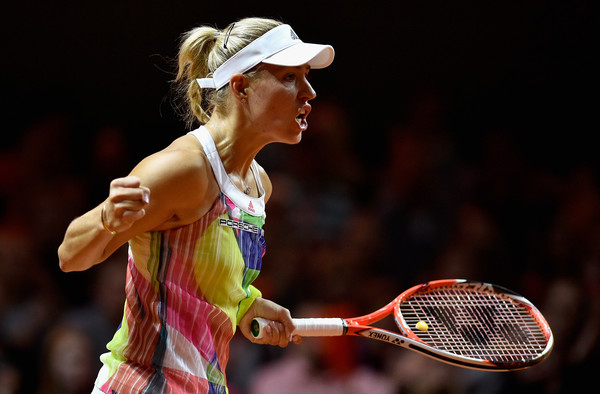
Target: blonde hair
x=201, y=52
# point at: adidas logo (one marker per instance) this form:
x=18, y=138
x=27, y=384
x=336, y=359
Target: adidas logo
x=251, y=207
x=293, y=35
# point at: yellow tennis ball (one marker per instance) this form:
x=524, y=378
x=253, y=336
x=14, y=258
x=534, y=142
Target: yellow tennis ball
x=421, y=326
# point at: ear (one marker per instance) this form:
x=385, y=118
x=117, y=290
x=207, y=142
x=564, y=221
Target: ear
x=238, y=85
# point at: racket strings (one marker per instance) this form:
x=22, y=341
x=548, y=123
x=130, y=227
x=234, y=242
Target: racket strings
x=476, y=325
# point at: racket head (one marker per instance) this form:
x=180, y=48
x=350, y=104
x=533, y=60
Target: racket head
x=473, y=324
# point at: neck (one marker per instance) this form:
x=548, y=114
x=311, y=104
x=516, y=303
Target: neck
x=237, y=149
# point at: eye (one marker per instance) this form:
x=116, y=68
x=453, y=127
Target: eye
x=291, y=77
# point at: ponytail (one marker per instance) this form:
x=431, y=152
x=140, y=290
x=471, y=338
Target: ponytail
x=202, y=51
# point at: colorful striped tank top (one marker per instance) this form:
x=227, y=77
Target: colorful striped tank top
x=186, y=290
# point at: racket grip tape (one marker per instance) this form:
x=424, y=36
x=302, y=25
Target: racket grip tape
x=309, y=327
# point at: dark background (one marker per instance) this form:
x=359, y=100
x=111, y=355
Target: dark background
x=447, y=139
x=524, y=67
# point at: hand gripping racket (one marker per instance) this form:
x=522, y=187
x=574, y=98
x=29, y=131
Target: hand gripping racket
x=464, y=323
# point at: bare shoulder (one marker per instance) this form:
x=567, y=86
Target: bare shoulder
x=181, y=182
x=180, y=160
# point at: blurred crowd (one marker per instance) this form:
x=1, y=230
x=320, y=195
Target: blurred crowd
x=356, y=217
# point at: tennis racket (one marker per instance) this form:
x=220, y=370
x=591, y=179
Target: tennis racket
x=460, y=322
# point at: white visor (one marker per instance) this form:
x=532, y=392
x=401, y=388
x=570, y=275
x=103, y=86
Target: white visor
x=279, y=46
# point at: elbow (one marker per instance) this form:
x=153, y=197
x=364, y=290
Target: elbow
x=70, y=262
x=64, y=266
x=68, y=266
x=63, y=260
x=66, y=261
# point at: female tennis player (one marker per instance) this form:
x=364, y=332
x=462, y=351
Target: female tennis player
x=193, y=213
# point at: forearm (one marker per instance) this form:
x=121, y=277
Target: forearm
x=91, y=238
x=85, y=242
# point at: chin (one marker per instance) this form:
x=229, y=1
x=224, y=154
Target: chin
x=292, y=141
x=298, y=137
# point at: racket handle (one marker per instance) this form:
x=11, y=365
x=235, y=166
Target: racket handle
x=310, y=327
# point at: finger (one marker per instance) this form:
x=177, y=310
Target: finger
x=267, y=333
x=116, y=210
x=281, y=338
x=145, y=194
x=118, y=194
x=128, y=205
x=274, y=335
x=121, y=219
x=129, y=188
x=290, y=328
x=287, y=323
x=128, y=181
x=132, y=216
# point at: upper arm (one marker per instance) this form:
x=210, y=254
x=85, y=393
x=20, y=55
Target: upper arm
x=181, y=191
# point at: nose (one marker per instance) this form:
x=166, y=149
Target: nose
x=307, y=92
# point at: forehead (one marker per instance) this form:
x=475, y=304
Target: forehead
x=275, y=69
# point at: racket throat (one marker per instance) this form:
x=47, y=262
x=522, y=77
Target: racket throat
x=345, y=327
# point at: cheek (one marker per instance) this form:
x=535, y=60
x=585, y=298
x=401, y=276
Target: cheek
x=271, y=105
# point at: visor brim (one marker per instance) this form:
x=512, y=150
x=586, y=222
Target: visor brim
x=315, y=55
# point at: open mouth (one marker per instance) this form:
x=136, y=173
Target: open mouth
x=301, y=118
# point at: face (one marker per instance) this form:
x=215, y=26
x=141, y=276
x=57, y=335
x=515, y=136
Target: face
x=278, y=102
